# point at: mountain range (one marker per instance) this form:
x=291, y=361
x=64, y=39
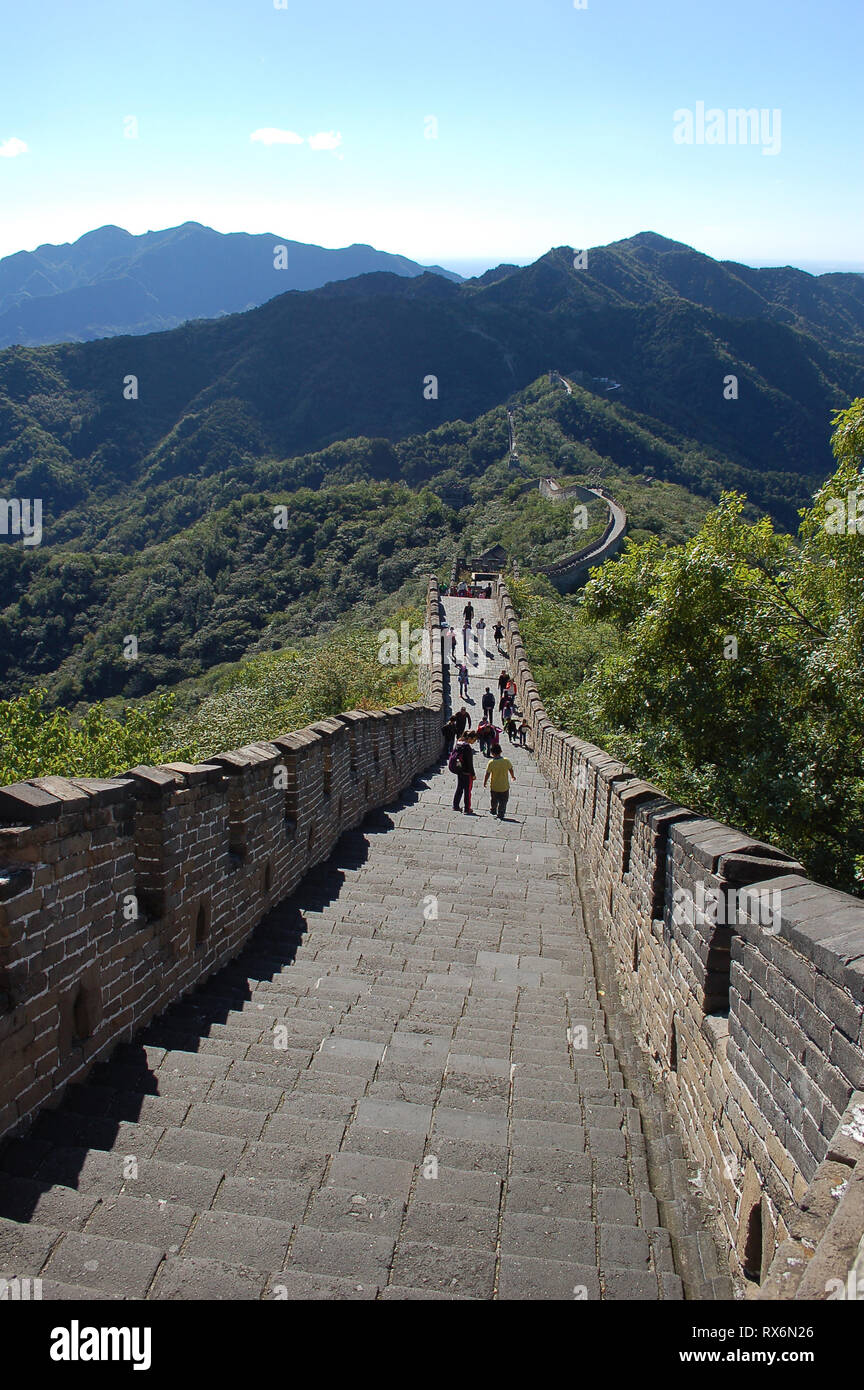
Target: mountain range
x=383, y=355
x=373, y=408
x=111, y=282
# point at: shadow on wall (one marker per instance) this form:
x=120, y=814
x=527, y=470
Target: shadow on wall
x=64, y=1141
x=118, y=896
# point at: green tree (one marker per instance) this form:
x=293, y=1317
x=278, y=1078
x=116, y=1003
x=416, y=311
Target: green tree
x=733, y=677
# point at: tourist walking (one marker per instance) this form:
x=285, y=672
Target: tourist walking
x=468, y=613
x=481, y=633
x=463, y=679
x=462, y=720
x=462, y=763
x=512, y=728
x=449, y=735
x=488, y=703
x=486, y=735
x=503, y=679
x=452, y=644
x=523, y=733
x=498, y=634
x=499, y=774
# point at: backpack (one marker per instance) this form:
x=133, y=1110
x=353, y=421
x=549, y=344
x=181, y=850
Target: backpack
x=454, y=762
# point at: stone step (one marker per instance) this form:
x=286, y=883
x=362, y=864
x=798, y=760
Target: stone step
x=227, y=1167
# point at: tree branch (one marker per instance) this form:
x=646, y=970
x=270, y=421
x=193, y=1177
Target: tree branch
x=760, y=565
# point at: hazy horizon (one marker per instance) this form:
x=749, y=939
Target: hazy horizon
x=469, y=267
x=466, y=136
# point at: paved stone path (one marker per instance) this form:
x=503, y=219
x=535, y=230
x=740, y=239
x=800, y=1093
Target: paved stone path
x=428, y=1129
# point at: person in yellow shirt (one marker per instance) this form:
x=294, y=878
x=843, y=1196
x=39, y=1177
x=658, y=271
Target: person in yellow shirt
x=499, y=773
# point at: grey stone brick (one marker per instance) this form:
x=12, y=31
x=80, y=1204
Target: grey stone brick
x=444, y=1269
x=464, y=1226
x=206, y=1281
x=541, y=1236
x=357, y=1256
x=534, y=1279
x=98, y=1262
x=254, y=1242
x=624, y=1247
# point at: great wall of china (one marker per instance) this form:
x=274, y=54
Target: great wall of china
x=755, y=1031
x=571, y=569
x=119, y=896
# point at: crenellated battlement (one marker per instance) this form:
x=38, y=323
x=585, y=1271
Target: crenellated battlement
x=744, y=983
x=117, y=896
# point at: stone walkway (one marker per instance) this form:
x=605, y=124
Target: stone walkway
x=386, y=1096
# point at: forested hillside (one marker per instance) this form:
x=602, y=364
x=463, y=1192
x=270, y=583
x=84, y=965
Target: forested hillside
x=356, y=358
x=204, y=569
x=233, y=705
x=233, y=488
x=728, y=670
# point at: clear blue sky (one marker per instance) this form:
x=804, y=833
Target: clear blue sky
x=555, y=124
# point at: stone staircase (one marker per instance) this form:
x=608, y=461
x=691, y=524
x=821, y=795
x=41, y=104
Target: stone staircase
x=403, y=1088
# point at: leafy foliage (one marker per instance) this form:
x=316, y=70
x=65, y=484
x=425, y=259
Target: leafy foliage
x=253, y=700
x=729, y=670
x=279, y=691
x=39, y=742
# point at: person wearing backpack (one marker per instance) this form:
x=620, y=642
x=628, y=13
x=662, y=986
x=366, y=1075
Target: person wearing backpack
x=462, y=764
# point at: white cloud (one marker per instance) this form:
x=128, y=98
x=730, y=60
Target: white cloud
x=270, y=135
x=325, y=140
x=12, y=147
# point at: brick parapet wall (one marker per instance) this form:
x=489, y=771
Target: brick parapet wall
x=604, y=547
x=118, y=896
x=744, y=981
x=823, y=1255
